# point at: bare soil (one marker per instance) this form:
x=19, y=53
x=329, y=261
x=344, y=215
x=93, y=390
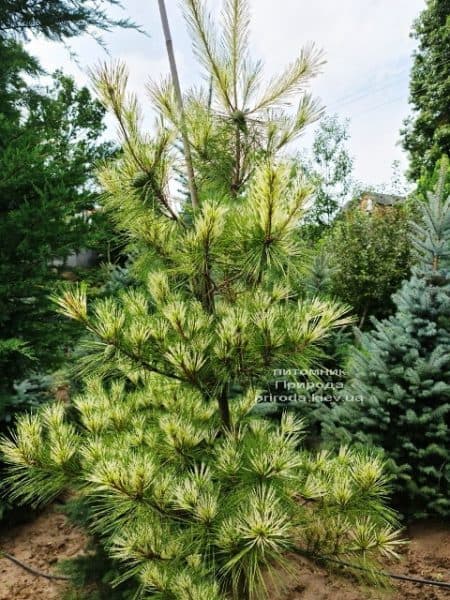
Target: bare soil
x=40, y=544
x=427, y=556
x=50, y=538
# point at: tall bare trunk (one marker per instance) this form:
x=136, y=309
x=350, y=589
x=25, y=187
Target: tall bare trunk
x=179, y=99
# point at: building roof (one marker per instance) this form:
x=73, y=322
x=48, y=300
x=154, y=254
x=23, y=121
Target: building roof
x=382, y=199
x=378, y=199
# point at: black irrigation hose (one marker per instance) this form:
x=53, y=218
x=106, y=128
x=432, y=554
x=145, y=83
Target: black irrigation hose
x=336, y=561
x=31, y=570
x=441, y=584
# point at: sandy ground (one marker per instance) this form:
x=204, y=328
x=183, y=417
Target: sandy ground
x=426, y=557
x=40, y=543
x=50, y=538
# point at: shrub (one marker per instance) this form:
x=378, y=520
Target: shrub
x=370, y=255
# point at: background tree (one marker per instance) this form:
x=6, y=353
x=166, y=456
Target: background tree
x=57, y=19
x=330, y=169
x=48, y=145
x=370, y=255
x=189, y=491
x=48, y=148
x=397, y=186
x=402, y=372
x=426, y=135
x=430, y=179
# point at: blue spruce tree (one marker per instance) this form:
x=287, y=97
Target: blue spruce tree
x=401, y=371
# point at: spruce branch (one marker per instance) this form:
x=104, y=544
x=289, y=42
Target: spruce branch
x=431, y=237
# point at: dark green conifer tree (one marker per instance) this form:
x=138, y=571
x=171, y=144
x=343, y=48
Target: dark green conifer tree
x=402, y=373
x=426, y=134
x=49, y=143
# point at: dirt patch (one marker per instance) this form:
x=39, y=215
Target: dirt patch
x=426, y=557
x=305, y=580
x=50, y=538
x=41, y=544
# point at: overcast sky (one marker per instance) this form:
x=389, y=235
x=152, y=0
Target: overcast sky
x=367, y=47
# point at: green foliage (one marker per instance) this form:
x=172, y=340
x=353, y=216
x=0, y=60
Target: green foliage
x=329, y=169
x=94, y=573
x=191, y=493
x=92, y=578
x=47, y=151
x=49, y=144
x=245, y=120
x=57, y=19
x=28, y=394
x=426, y=135
x=370, y=255
x=430, y=179
x=309, y=395
x=186, y=506
x=15, y=346
x=402, y=372
x=432, y=239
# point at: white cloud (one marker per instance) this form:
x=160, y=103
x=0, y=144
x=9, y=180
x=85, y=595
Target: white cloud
x=368, y=52
x=366, y=42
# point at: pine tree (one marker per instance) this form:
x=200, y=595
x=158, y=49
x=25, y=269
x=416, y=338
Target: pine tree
x=196, y=496
x=402, y=373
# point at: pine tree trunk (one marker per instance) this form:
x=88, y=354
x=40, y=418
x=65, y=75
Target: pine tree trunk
x=224, y=408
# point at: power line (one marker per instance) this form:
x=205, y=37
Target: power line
x=350, y=98
x=376, y=107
